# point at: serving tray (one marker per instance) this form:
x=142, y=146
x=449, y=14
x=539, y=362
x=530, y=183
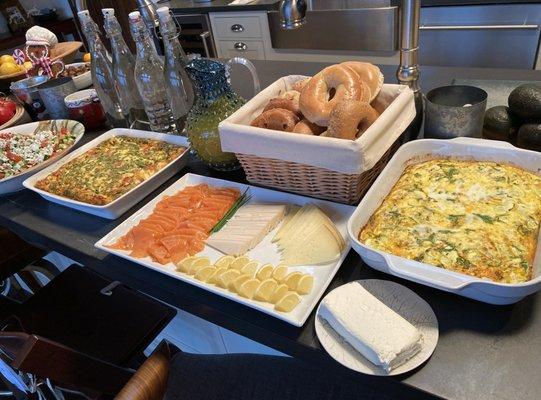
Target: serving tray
x=118, y=207
x=264, y=252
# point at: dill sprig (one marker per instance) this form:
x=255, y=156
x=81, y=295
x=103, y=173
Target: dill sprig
x=242, y=200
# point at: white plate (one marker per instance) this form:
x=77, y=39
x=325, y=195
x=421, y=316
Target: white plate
x=118, y=207
x=14, y=183
x=465, y=285
x=405, y=303
x=264, y=252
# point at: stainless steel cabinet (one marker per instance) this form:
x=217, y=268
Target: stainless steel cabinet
x=497, y=36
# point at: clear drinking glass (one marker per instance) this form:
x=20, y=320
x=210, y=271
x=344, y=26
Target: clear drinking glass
x=149, y=77
x=179, y=86
x=101, y=71
x=123, y=67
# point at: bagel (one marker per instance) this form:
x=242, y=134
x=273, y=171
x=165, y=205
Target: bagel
x=291, y=95
x=369, y=73
x=305, y=127
x=299, y=85
x=317, y=99
x=277, y=119
x=286, y=104
x=349, y=118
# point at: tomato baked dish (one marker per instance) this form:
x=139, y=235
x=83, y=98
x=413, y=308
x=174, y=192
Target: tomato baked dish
x=479, y=218
x=109, y=170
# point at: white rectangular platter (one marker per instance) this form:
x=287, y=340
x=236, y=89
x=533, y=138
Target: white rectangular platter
x=264, y=252
x=118, y=207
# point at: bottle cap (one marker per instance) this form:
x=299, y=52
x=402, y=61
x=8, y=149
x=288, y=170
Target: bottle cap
x=108, y=12
x=134, y=16
x=163, y=13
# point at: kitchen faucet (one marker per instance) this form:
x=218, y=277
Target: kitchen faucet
x=293, y=15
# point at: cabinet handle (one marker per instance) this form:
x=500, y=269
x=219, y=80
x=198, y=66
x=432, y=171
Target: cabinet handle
x=204, y=36
x=240, y=46
x=469, y=27
x=237, y=28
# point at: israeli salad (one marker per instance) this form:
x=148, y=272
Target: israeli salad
x=19, y=152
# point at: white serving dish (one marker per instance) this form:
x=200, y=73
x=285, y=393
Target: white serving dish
x=118, y=207
x=264, y=252
x=15, y=183
x=81, y=81
x=461, y=148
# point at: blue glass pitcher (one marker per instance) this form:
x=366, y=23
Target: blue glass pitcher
x=214, y=102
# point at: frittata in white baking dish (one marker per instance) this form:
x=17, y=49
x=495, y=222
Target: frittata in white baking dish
x=479, y=218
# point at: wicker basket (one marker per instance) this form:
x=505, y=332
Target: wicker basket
x=313, y=181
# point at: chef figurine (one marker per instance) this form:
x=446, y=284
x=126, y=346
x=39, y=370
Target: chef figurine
x=39, y=42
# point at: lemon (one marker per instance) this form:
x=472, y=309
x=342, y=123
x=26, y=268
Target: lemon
x=279, y=273
x=250, y=268
x=292, y=280
x=7, y=59
x=265, y=272
x=225, y=261
x=265, y=290
x=239, y=262
x=288, y=302
x=28, y=65
x=235, y=285
x=248, y=288
x=305, y=284
x=204, y=273
x=197, y=263
x=279, y=292
x=87, y=57
x=184, y=265
x=9, y=68
x=227, y=277
x=213, y=279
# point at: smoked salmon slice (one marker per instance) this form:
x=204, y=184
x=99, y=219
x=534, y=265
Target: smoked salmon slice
x=179, y=224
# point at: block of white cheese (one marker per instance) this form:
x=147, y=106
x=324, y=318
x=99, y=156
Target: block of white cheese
x=250, y=224
x=381, y=335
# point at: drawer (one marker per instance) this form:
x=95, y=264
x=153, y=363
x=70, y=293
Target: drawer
x=251, y=49
x=237, y=27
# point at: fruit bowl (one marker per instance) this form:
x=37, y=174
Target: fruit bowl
x=20, y=117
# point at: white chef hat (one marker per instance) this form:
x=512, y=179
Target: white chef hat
x=38, y=35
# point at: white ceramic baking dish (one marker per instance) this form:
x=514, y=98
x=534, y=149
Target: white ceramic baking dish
x=461, y=284
x=118, y=207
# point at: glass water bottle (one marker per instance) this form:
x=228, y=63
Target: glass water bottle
x=101, y=71
x=149, y=77
x=179, y=86
x=123, y=67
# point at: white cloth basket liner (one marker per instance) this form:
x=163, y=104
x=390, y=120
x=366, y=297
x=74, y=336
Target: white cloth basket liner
x=344, y=156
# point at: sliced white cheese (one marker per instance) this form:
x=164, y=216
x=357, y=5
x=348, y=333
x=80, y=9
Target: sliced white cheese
x=369, y=326
x=250, y=224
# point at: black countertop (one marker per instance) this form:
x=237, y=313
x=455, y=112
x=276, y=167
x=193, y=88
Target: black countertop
x=484, y=352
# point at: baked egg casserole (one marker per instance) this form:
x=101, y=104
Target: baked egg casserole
x=478, y=218
x=111, y=169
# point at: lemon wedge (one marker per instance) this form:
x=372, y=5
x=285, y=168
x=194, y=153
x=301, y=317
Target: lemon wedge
x=184, y=265
x=227, y=277
x=239, y=262
x=288, y=302
x=204, y=273
x=292, y=280
x=265, y=272
x=214, y=277
x=279, y=292
x=198, y=263
x=279, y=273
x=250, y=268
x=248, y=288
x=224, y=261
x=265, y=290
x=235, y=285
x=305, y=284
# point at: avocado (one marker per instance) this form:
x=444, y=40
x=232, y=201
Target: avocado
x=525, y=101
x=499, y=124
x=529, y=136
